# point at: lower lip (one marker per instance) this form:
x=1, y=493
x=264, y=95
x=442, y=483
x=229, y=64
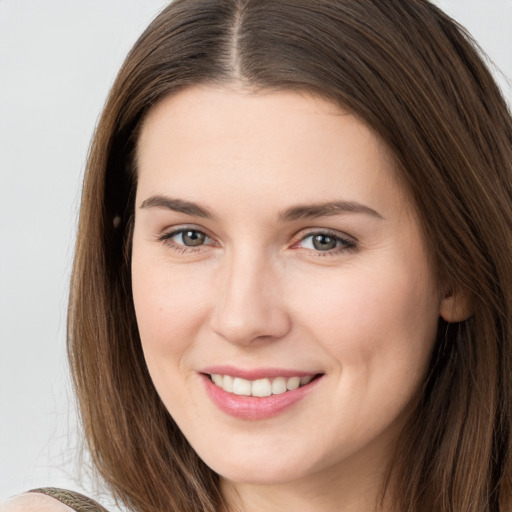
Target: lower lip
x=252, y=407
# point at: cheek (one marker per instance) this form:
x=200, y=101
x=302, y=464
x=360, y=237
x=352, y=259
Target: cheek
x=170, y=312
x=169, y=307
x=378, y=332
x=378, y=319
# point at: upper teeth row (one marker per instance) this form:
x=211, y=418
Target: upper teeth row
x=259, y=387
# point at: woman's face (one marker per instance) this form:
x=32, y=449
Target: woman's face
x=274, y=248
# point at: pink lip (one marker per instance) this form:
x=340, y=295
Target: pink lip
x=255, y=408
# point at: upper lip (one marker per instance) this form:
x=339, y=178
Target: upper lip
x=257, y=373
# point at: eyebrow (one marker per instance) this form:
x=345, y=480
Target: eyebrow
x=177, y=205
x=309, y=211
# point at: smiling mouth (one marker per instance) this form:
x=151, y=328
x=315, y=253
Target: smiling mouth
x=260, y=387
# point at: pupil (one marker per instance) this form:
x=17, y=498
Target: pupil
x=324, y=242
x=193, y=238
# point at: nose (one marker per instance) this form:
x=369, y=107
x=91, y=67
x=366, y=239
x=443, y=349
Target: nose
x=249, y=305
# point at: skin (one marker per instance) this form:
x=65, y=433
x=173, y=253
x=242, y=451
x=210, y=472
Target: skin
x=257, y=293
x=33, y=502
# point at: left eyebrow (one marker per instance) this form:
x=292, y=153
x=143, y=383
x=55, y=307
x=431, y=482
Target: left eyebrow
x=312, y=211
x=177, y=205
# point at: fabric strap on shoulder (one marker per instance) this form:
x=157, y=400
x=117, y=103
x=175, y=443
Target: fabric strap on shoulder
x=72, y=499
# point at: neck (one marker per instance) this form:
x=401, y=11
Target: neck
x=352, y=488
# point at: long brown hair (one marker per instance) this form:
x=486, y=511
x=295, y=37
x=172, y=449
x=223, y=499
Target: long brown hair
x=413, y=75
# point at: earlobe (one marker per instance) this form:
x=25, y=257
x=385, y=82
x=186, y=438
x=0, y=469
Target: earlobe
x=456, y=306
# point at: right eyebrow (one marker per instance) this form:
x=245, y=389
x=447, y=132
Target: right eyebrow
x=313, y=211
x=177, y=205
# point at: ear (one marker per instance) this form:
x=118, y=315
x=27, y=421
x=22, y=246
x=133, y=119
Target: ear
x=456, y=306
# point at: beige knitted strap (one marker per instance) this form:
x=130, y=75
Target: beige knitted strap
x=75, y=500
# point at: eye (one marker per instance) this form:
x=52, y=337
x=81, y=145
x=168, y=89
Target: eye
x=190, y=237
x=325, y=242
x=186, y=238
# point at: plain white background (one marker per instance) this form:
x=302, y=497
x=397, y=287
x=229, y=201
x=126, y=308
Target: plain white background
x=58, y=59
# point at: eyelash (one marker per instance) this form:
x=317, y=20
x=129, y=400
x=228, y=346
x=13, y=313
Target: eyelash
x=166, y=238
x=342, y=244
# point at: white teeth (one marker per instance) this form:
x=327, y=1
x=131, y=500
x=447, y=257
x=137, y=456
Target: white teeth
x=241, y=387
x=293, y=383
x=278, y=385
x=305, y=380
x=218, y=379
x=227, y=383
x=259, y=387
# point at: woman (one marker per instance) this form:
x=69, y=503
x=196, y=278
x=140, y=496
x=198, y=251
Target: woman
x=291, y=287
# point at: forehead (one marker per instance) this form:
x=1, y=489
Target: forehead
x=205, y=142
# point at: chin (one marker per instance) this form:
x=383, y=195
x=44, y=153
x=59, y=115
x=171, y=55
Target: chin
x=261, y=476
x=264, y=468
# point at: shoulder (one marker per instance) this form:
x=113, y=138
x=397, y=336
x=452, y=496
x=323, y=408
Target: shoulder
x=33, y=502
x=50, y=499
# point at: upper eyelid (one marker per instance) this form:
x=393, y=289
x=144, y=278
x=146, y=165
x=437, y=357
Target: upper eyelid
x=345, y=243
x=166, y=239
x=171, y=231
x=166, y=235
x=304, y=233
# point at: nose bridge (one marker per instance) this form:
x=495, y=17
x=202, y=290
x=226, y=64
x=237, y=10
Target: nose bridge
x=249, y=303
